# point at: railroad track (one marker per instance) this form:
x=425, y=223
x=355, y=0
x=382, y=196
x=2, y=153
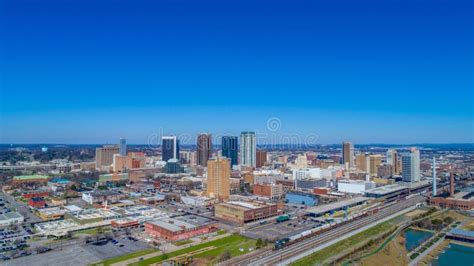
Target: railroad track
x=272, y=257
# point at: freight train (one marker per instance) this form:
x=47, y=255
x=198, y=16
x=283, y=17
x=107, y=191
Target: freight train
x=281, y=243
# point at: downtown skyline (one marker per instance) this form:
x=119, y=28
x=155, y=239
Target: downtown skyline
x=401, y=73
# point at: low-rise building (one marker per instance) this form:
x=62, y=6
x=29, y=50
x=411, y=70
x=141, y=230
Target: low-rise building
x=242, y=212
x=10, y=218
x=52, y=213
x=37, y=202
x=181, y=227
x=271, y=191
x=102, y=196
x=298, y=197
x=354, y=186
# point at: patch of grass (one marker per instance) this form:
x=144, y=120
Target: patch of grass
x=342, y=246
x=221, y=232
x=183, y=242
x=125, y=257
x=231, y=243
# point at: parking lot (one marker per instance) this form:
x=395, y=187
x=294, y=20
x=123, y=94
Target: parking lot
x=274, y=231
x=76, y=254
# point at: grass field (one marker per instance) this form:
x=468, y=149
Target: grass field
x=182, y=242
x=342, y=246
x=232, y=244
x=125, y=257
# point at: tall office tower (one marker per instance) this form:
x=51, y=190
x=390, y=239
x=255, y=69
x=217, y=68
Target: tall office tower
x=392, y=159
x=104, y=156
x=230, y=148
x=248, y=149
x=375, y=162
x=123, y=147
x=169, y=148
x=434, y=177
x=411, y=166
x=451, y=185
x=348, y=154
x=363, y=162
x=218, y=178
x=204, y=148
x=262, y=158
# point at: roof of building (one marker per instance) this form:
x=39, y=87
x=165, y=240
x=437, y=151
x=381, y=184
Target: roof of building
x=384, y=190
x=30, y=177
x=186, y=222
x=245, y=205
x=37, y=199
x=10, y=215
x=336, y=205
x=461, y=232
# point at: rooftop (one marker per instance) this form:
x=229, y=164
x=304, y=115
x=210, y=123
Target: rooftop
x=10, y=215
x=28, y=177
x=186, y=222
x=466, y=233
x=336, y=205
x=385, y=189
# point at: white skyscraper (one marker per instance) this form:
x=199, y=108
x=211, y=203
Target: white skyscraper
x=248, y=149
x=411, y=166
x=123, y=147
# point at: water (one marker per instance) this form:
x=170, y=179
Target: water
x=455, y=255
x=415, y=237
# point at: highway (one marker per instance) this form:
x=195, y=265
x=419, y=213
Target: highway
x=274, y=257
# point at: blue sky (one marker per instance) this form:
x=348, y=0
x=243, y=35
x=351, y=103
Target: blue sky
x=367, y=71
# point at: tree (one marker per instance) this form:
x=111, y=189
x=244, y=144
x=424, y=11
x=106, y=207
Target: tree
x=259, y=243
x=225, y=255
x=448, y=220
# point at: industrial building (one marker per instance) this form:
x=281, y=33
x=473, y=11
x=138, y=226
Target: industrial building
x=297, y=197
x=335, y=206
x=10, y=218
x=388, y=192
x=242, y=212
x=179, y=228
x=354, y=186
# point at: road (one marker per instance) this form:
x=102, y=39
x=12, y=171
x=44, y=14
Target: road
x=275, y=257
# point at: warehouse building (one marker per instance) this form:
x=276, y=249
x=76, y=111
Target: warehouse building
x=297, y=197
x=178, y=228
x=242, y=212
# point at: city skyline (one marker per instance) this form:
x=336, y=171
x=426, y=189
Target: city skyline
x=369, y=72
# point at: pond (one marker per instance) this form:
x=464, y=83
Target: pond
x=455, y=254
x=415, y=237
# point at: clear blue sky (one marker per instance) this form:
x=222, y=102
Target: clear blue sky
x=368, y=71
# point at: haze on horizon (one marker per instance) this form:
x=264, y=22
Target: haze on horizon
x=369, y=71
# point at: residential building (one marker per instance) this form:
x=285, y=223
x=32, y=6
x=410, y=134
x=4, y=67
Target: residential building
x=411, y=166
x=248, y=149
x=218, y=178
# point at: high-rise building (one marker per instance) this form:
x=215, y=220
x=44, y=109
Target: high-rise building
x=230, y=148
x=123, y=147
x=363, y=162
x=218, y=178
x=434, y=177
x=261, y=158
x=169, y=148
x=248, y=149
x=392, y=159
x=375, y=162
x=348, y=154
x=104, y=156
x=204, y=148
x=411, y=166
